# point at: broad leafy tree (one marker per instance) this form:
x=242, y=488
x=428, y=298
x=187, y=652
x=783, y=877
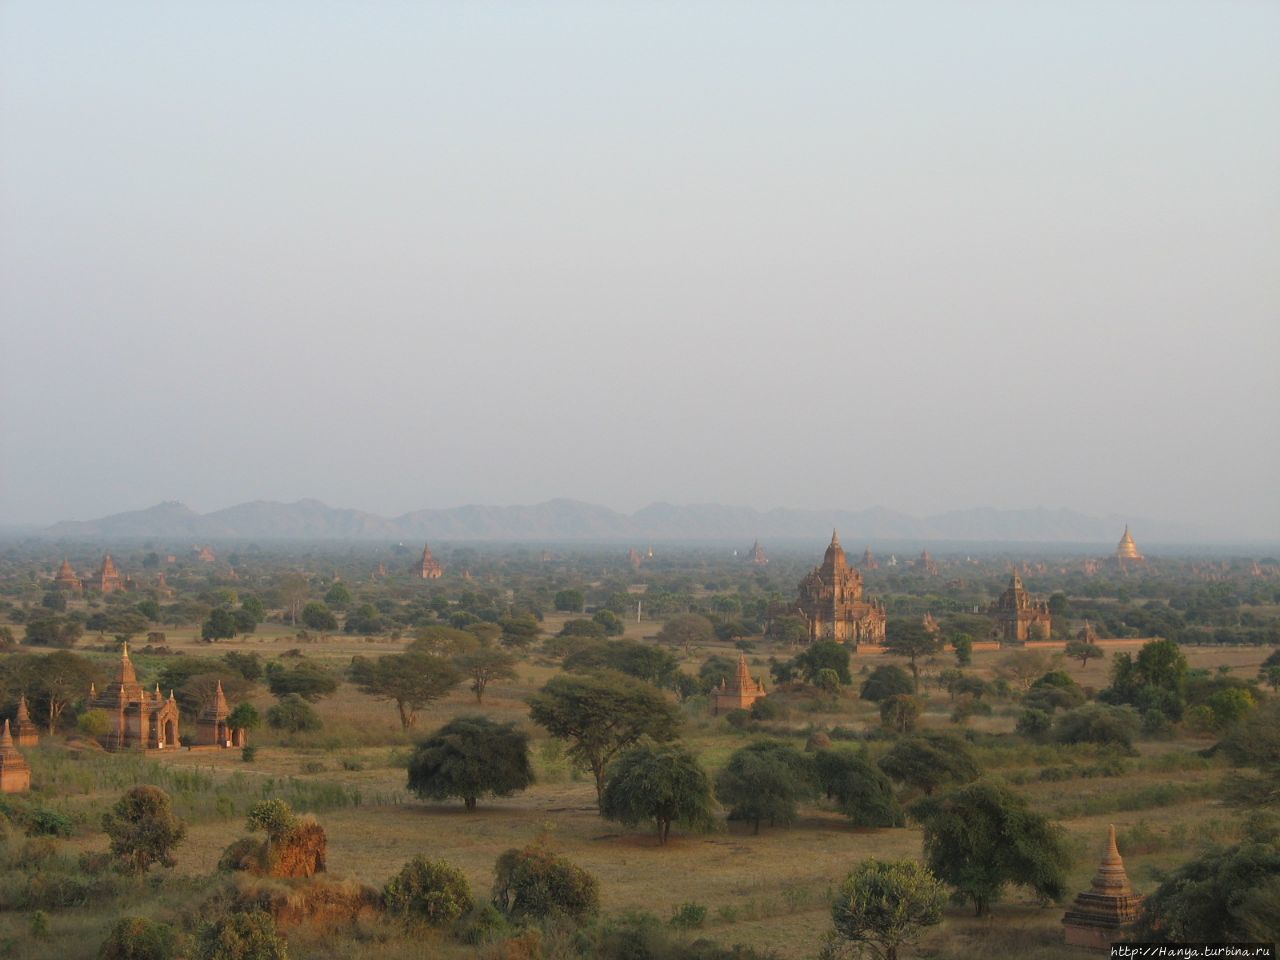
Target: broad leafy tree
x=766, y=781
x=644, y=661
x=220, y=625
x=885, y=682
x=601, y=714
x=143, y=829
x=982, y=836
x=310, y=681
x=883, y=905
x=411, y=680
x=535, y=884
x=930, y=761
x=470, y=757
x=900, y=713
x=1225, y=895
x=863, y=793
x=660, y=785
x=317, y=616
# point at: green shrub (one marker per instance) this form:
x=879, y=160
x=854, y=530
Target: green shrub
x=43, y=822
x=534, y=884
x=137, y=938
x=431, y=891
x=688, y=916
x=241, y=936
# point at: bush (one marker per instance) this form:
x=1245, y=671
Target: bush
x=534, y=884
x=137, y=938
x=93, y=723
x=1098, y=723
x=43, y=822
x=688, y=916
x=765, y=709
x=1035, y=725
x=431, y=891
x=293, y=715
x=241, y=936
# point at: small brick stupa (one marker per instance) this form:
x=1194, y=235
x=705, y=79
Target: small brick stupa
x=24, y=731
x=740, y=694
x=15, y=775
x=1102, y=914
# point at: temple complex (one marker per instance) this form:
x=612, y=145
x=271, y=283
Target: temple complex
x=757, y=556
x=139, y=720
x=738, y=694
x=926, y=565
x=430, y=569
x=15, y=775
x=832, y=604
x=25, y=733
x=1102, y=914
x=1018, y=617
x=107, y=579
x=66, y=578
x=204, y=555
x=931, y=625
x=1087, y=634
x=869, y=562
x=212, y=728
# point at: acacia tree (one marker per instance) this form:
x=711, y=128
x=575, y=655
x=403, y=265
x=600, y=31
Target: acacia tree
x=766, y=781
x=601, y=714
x=883, y=905
x=484, y=666
x=662, y=784
x=907, y=638
x=1084, y=651
x=468, y=757
x=686, y=630
x=982, y=836
x=411, y=679
x=144, y=829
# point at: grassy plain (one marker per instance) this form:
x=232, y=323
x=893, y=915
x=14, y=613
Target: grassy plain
x=767, y=891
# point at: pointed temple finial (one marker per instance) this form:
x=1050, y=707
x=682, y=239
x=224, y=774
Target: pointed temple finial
x=6, y=739
x=835, y=538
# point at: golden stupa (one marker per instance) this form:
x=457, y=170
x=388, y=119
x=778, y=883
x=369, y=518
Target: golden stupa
x=1128, y=550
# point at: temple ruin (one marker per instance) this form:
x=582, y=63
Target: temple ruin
x=1103, y=914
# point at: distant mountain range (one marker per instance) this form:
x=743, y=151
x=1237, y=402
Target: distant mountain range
x=569, y=520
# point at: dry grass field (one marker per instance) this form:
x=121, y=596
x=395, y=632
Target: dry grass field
x=767, y=891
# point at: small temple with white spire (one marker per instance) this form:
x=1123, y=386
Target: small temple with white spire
x=140, y=720
x=1104, y=913
x=739, y=693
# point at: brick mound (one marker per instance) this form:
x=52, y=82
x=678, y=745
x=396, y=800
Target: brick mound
x=298, y=853
x=317, y=901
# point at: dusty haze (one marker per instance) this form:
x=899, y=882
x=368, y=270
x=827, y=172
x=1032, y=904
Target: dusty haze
x=393, y=256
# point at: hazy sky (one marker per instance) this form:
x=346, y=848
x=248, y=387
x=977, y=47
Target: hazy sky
x=393, y=255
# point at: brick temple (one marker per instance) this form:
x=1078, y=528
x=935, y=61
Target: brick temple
x=738, y=694
x=831, y=601
x=1018, y=616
